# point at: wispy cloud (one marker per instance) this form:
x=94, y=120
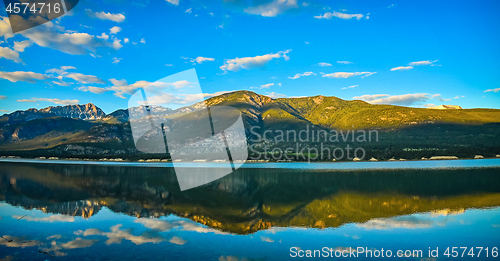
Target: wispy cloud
x=21, y=76
x=273, y=8
x=85, y=79
x=402, y=68
x=298, y=75
x=350, y=87
x=348, y=74
x=248, y=63
x=493, y=90
x=404, y=99
x=421, y=63
x=177, y=241
x=324, y=64
x=330, y=15
x=344, y=62
x=105, y=16
x=199, y=59
x=10, y=54
x=52, y=100
x=3, y=97
x=275, y=95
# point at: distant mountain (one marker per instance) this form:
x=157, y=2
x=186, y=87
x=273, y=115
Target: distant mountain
x=83, y=112
x=86, y=130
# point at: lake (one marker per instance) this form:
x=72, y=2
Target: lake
x=260, y=212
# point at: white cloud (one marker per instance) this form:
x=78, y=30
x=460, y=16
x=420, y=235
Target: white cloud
x=56, y=101
x=324, y=64
x=405, y=99
x=350, y=87
x=200, y=59
x=105, y=16
x=85, y=79
x=115, y=30
x=330, y=15
x=174, y=2
x=248, y=63
x=169, y=64
x=420, y=63
x=5, y=29
x=402, y=68
x=266, y=86
x=306, y=42
x=61, y=70
x=9, y=54
x=20, y=76
x=3, y=97
x=438, y=96
x=276, y=95
x=121, y=87
x=189, y=10
x=344, y=62
x=143, y=40
x=126, y=40
x=177, y=241
x=56, y=37
x=155, y=224
x=61, y=83
x=348, y=74
x=266, y=239
x=20, y=46
x=493, y=90
x=116, y=60
x=298, y=75
x=429, y=105
x=97, y=90
x=272, y=8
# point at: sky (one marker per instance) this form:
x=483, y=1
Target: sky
x=400, y=52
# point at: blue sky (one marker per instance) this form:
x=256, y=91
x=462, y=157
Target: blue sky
x=401, y=52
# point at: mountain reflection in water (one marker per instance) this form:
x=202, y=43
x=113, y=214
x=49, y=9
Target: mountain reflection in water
x=247, y=202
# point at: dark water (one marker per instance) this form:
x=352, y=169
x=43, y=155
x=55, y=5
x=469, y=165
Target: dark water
x=105, y=212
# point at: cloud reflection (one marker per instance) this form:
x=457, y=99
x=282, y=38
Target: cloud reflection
x=177, y=241
x=22, y=242
x=53, y=218
x=116, y=236
x=408, y=222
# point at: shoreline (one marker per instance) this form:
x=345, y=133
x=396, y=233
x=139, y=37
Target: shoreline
x=341, y=166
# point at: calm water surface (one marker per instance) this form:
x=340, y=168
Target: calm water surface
x=117, y=212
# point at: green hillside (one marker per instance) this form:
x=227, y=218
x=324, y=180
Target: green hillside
x=404, y=132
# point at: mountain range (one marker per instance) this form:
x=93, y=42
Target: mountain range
x=86, y=131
